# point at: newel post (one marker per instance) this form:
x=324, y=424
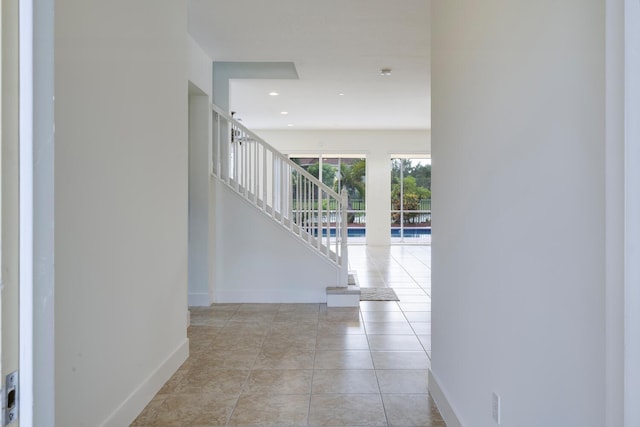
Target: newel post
x=344, y=253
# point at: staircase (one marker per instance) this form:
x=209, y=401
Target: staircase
x=306, y=211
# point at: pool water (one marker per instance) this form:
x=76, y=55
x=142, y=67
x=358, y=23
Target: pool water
x=395, y=232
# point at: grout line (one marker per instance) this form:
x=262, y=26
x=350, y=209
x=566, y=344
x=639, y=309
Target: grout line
x=375, y=370
x=398, y=260
x=251, y=369
x=313, y=368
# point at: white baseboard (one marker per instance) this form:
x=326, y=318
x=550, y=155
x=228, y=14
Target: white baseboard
x=447, y=412
x=200, y=299
x=128, y=410
x=284, y=296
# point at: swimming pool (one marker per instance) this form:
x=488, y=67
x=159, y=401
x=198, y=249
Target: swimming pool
x=395, y=232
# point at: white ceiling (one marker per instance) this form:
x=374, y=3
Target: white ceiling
x=337, y=46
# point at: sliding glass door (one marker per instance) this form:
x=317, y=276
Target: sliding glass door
x=410, y=200
x=342, y=172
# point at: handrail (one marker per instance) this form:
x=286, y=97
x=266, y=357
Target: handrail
x=254, y=136
x=280, y=188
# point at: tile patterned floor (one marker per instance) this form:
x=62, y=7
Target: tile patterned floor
x=309, y=365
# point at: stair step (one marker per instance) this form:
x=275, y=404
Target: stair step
x=343, y=296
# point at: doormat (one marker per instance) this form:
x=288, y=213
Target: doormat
x=378, y=294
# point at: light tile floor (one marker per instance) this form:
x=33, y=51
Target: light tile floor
x=309, y=365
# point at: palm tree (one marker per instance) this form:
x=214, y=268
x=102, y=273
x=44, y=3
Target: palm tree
x=352, y=178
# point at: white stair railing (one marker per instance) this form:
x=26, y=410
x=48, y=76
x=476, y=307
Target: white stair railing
x=281, y=189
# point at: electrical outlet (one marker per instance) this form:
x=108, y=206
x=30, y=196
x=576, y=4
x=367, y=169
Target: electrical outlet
x=495, y=408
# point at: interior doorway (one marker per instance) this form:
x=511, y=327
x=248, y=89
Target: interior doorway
x=199, y=258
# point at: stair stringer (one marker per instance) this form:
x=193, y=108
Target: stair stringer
x=258, y=260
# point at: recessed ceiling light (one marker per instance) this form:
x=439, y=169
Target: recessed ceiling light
x=274, y=93
x=341, y=94
x=284, y=113
x=385, y=72
x=290, y=125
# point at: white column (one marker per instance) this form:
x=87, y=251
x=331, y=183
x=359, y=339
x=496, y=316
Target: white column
x=378, y=198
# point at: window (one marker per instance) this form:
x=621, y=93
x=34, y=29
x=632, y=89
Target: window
x=410, y=200
x=338, y=172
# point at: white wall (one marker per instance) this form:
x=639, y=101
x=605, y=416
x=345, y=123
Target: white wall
x=121, y=206
x=615, y=213
x=632, y=212
x=258, y=260
x=201, y=212
x=378, y=146
x=199, y=66
x=518, y=210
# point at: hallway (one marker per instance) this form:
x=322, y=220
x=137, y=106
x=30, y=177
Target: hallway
x=306, y=364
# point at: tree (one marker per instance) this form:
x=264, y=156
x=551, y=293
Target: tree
x=422, y=173
x=328, y=173
x=352, y=179
x=412, y=195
